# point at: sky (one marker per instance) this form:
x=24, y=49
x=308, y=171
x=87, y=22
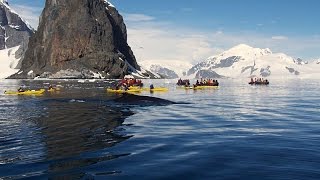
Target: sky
x=193, y=30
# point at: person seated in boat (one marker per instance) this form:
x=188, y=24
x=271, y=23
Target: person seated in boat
x=195, y=85
x=123, y=81
x=188, y=83
x=140, y=83
x=252, y=80
x=151, y=86
x=125, y=87
x=50, y=87
x=117, y=87
x=216, y=83
x=20, y=89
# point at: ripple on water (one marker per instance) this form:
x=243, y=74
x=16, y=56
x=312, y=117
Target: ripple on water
x=236, y=131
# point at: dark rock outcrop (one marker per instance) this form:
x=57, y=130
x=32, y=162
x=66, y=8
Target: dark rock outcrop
x=208, y=74
x=164, y=72
x=224, y=63
x=293, y=71
x=79, y=35
x=265, y=72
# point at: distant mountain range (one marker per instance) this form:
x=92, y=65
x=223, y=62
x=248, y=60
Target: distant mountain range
x=170, y=69
x=243, y=61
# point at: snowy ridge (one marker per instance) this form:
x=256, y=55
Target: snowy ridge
x=179, y=67
x=8, y=62
x=16, y=32
x=245, y=61
x=108, y=3
x=243, y=50
x=6, y=5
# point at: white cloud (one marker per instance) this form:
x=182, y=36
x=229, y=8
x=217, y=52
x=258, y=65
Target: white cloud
x=30, y=14
x=152, y=39
x=168, y=41
x=137, y=17
x=279, y=38
x=152, y=42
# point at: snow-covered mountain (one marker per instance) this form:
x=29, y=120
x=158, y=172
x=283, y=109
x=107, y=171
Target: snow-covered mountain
x=14, y=37
x=243, y=61
x=163, y=72
x=167, y=68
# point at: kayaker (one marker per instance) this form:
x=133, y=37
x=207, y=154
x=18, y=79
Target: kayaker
x=125, y=87
x=197, y=83
x=50, y=87
x=20, y=89
x=151, y=86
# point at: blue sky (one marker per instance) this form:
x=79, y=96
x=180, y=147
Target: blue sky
x=192, y=30
x=289, y=17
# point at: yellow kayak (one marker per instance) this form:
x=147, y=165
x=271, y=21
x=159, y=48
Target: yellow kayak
x=53, y=89
x=27, y=92
x=160, y=89
x=123, y=91
x=134, y=87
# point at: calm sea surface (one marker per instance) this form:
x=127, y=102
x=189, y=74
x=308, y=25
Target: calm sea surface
x=237, y=131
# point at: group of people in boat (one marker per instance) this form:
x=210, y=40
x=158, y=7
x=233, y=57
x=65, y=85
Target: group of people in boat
x=202, y=82
x=207, y=82
x=185, y=82
x=22, y=89
x=125, y=84
x=259, y=81
x=131, y=82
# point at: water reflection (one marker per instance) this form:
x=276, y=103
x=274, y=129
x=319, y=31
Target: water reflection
x=56, y=134
x=75, y=128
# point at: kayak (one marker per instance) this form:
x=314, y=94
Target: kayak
x=208, y=86
x=160, y=89
x=28, y=92
x=123, y=91
x=53, y=89
x=134, y=87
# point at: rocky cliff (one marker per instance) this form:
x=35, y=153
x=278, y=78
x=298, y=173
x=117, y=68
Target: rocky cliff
x=79, y=39
x=14, y=31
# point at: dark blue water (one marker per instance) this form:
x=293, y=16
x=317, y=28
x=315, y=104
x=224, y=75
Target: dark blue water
x=234, y=132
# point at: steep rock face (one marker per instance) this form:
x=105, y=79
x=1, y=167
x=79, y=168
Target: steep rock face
x=14, y=31
x=79, y=35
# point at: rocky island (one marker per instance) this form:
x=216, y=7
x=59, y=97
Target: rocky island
x=79, y=39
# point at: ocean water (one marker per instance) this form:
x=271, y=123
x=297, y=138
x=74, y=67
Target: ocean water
x=236, y=131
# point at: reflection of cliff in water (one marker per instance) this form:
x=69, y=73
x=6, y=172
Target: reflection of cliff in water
x=73, y=128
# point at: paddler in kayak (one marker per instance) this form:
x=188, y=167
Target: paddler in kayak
x=21, y=89
x=50, y=87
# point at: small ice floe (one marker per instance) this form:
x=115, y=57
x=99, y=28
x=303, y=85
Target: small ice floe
x=77, y=101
